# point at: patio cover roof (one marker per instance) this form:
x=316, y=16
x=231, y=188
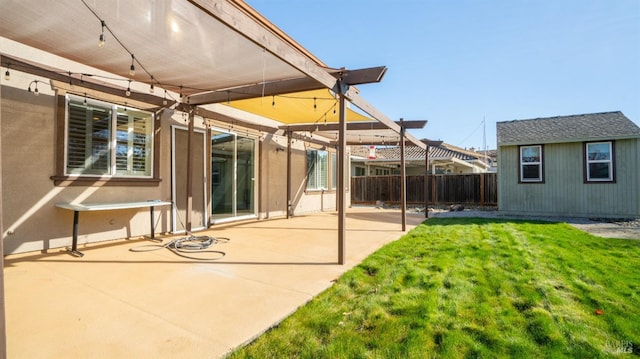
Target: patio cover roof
x=207, y=51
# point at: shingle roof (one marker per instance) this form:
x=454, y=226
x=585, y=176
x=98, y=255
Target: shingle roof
x=592, y=126
x=411, y=153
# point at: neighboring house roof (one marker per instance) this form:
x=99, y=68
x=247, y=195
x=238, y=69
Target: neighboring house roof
x=575, y=128
x=413, y=153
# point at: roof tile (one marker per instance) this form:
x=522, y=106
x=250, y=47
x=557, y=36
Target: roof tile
x=592, y=126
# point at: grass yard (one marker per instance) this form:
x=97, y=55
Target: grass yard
x=465, y=287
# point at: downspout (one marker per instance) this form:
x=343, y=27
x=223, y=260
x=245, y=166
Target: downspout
x=190, y=144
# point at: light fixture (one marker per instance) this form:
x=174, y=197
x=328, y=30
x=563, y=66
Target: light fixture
x=128, y=92
x=151, y=88
x=85, y=99
x=35, y=90
x=132, y=69
x=315, y=106
x=7, y=75
x=101, y=38
x=164, y=100
x=273, y=101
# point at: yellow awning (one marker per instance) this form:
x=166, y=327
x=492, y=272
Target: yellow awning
x=307, y=107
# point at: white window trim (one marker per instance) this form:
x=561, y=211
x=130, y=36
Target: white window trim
x=112, y=139
x=316, y=172
x=609, y=161
x=539, y=163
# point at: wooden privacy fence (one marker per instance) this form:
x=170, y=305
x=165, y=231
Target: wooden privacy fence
x=476, y=189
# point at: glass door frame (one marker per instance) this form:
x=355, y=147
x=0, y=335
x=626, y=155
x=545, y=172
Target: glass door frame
x=234, y=211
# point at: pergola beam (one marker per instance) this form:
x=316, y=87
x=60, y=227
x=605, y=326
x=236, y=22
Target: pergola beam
x=355, y=99
x=286, y=86
x=82, y=81
x=248, y=27
x=352, y=126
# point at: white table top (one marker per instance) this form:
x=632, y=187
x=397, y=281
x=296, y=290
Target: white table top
x=108, y=206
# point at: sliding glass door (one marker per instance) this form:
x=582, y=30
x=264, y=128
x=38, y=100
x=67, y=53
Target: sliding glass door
x=232, y=176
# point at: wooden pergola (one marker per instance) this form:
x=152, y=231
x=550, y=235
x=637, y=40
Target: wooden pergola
x=193, y=32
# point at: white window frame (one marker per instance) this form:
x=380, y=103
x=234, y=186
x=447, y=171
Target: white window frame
x=316, y=173
x=111, y=169
x=609, y=161
x=538, y=163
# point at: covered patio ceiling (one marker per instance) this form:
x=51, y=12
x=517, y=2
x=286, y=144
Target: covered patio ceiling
x=200, y=51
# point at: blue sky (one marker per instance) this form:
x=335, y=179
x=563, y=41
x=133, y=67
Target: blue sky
x=456, y=63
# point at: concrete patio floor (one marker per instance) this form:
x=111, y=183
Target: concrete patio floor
x=115, y=303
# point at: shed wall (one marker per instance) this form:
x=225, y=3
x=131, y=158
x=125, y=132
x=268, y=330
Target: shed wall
x=564, y=192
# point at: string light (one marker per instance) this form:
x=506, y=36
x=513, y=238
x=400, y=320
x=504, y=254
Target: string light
x=84, y=102
x=132, y=69
x=164, y=100
x=273, y=101
x=7, y=75
x=315, y=106
x=35, y=90
x=128, y=92
x=101, y=38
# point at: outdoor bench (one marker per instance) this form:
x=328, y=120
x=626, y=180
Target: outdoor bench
x=82, y=207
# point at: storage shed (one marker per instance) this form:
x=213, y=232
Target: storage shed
x=580, y=166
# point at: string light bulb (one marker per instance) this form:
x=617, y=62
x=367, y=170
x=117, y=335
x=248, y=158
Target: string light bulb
x=273, y=101
x=101, y=38
x=315, y=106
x=84, y=102
x=151, y=88
x=35, y=90
x=7, y=75
x=164, y=100
x=132, y=69
x=128, y=92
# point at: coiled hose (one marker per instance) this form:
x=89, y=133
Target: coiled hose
x=189, y=244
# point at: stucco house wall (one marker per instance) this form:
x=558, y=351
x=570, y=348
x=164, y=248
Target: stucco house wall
x=31, y=220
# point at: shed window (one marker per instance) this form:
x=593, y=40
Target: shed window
x=317, y=169
x=599, y=162
x=107, y=140
x=531, y=164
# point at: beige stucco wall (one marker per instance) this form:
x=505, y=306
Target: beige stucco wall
x=32, y=222
x=30, y=219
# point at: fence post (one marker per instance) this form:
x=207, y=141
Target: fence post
x=482, y=189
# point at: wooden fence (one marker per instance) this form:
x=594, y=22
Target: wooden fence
x=475, y=189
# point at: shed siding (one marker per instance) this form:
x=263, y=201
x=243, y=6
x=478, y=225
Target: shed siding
x=564, y=192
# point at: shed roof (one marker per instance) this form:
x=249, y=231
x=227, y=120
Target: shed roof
x=574, y=128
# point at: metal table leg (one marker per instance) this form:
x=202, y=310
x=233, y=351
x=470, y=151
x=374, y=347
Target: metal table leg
x=74, y=245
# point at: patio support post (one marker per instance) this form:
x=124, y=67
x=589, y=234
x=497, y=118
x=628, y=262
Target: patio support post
x=3, y=328
x=403, y=178
x=289, y=206
x=426, y=182
x=189, y=198
x=342, y=146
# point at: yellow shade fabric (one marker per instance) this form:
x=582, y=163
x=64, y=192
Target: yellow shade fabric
x=317, y=106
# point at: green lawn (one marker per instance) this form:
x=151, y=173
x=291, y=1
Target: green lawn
x=461, y=287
